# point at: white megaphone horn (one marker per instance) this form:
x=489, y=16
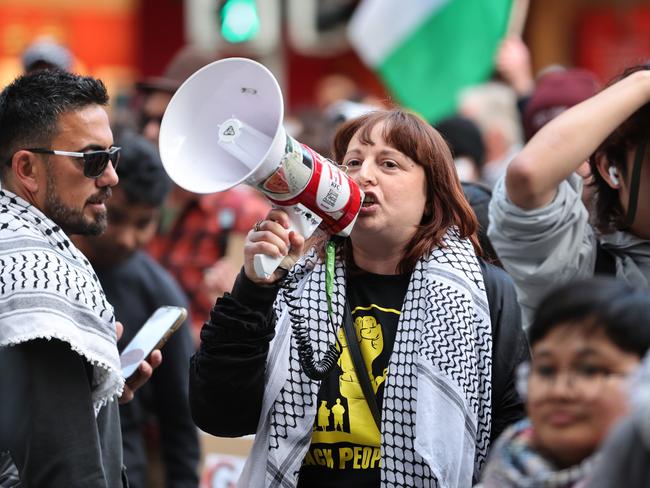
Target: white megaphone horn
x=223, y=127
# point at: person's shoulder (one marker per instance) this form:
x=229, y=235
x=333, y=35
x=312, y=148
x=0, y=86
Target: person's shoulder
x=501, y=295
x=146, y=264
x=157, y=276
x=494, y=275
x=142, y=259
x=476, y=193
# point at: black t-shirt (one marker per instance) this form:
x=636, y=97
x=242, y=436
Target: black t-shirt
x=345, y=448
x=136, y=288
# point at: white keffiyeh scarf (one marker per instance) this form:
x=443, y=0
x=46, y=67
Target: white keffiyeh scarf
x=48, y=290
x=437, y=399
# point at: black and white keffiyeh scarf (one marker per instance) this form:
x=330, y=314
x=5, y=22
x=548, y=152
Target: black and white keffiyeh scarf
x=515, y=462
x=436, y=416
x=48, y=290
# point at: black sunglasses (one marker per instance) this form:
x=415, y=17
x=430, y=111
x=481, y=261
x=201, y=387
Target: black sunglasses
x=95, y=162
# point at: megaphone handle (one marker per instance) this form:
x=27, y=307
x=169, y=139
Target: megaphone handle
x=301, y=220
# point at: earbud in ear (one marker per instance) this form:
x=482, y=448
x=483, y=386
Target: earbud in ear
x=613, y=175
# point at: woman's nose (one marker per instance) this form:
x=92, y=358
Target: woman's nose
x=366, y=174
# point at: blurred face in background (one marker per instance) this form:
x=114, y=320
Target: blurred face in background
x=153, y=109
x=130, y=227
x=576, y=390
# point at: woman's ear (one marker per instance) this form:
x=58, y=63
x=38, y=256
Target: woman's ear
x=609, y=172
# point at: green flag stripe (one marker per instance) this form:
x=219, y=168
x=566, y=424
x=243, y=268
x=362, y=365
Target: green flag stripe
x=453, y=49
x=368, y=32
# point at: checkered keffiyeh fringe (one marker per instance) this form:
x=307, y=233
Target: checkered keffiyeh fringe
x=48, y=290
x=437, y=400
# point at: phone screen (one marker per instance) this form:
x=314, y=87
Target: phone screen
x=155, y=331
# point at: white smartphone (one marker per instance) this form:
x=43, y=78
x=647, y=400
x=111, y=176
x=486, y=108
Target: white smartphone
x=152, y=335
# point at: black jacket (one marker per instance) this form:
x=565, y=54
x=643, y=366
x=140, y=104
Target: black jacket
x=136, y=288
x=48, y=423
x=227, y=372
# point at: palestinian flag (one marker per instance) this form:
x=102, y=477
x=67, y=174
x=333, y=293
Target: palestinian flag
x=426, y=51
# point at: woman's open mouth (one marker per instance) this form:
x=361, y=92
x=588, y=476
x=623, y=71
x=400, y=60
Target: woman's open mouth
x=368, y=201
x=369, y=205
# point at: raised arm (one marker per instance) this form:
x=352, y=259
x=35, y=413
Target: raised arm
x=568, y=140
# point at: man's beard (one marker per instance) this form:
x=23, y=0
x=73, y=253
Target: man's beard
x=73, y=221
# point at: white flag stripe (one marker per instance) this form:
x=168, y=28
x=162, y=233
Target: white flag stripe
x=379, y=26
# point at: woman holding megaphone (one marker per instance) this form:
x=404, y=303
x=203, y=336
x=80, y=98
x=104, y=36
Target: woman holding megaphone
x=418, y=337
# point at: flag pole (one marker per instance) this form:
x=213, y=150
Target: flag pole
x=517, y=20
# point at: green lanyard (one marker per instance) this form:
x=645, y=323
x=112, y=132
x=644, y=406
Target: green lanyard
x=330, y=258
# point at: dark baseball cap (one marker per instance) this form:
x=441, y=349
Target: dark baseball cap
x=554, y=92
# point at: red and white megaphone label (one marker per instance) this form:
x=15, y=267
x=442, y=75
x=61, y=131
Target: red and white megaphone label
x=307, y=178
x=312, y=189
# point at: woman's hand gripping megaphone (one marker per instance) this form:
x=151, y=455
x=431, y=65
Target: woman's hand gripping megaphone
x=274, y=238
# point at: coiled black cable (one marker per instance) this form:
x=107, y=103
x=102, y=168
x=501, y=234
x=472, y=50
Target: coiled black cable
x=315, y=370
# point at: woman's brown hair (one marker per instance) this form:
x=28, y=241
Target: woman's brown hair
x=446, y=205
x=616, y=148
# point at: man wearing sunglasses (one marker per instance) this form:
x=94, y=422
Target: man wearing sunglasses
x=58, y=356
x=94, y=162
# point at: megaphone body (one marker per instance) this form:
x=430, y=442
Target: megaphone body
x=223, y=127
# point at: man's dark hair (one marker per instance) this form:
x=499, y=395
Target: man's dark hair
x=609, y=214
x=31, y=105
x=621, y=311
x=142, y=176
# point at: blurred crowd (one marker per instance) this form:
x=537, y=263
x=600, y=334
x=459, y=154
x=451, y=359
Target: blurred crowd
x=552, y=164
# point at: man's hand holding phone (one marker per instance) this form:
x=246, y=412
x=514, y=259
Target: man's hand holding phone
x=143, y=373
x=142, y=355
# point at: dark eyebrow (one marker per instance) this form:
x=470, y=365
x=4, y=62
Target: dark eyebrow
x=589, y=351
x=543, y=354
x=582, y=352
x=390, y=152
